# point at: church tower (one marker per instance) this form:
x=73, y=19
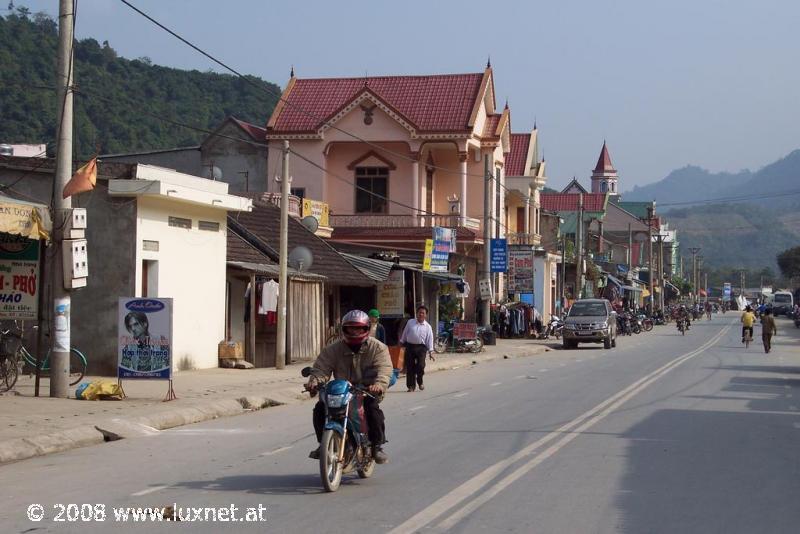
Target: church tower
x=604, y=176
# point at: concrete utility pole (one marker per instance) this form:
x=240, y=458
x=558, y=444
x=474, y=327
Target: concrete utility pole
x=650, y=214
x=487, y=238
x=694, y=251
x=283, y=286
x=579, y=250
x=60, y=323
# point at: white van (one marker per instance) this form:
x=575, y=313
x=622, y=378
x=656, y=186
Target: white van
x=782, y=303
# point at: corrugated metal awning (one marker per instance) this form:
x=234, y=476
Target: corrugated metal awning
x=377, y=270
x=429, y=274
x=274, y=270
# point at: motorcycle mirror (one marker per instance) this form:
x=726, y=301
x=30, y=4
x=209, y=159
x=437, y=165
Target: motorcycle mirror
x=306, y=372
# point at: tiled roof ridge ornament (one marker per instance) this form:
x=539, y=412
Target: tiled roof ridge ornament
x=489, y=62
x=291, y=72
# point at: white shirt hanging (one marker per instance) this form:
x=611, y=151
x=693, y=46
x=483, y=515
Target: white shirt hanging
x=269, y=297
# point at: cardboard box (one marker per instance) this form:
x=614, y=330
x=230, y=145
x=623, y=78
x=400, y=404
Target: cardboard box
x=230, y=350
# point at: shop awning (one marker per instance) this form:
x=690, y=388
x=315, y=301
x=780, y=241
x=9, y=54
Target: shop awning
x=27, y=219
x=377, y=270
x=447, y=277
x=272, y=270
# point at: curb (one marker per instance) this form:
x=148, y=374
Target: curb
x=139, y=426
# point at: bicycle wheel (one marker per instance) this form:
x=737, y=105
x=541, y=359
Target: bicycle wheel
x=747, y=341
x=77, y=366
x=9, y=372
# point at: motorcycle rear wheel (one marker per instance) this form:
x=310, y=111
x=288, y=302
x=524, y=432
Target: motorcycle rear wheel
x=648, y=325
x=330, y=468
x=441, y=345
x=477, y=345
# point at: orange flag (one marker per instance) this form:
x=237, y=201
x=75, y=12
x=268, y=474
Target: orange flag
x=83, y=180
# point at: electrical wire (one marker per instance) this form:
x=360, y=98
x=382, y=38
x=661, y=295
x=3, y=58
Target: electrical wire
x=294, y=106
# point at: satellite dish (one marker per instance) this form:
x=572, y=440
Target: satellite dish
x=300, y=258
x=213, y=173
x=311, y=223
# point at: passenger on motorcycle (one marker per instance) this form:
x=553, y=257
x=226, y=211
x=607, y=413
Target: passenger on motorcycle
x=363, y=361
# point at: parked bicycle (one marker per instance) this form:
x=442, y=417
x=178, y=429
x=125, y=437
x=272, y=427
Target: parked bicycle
x=9, y=363
x=77, y=363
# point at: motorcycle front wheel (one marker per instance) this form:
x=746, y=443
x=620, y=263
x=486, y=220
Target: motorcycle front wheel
x=441, y=344
x=477, y=345
x=648, y=325
x=330, y=468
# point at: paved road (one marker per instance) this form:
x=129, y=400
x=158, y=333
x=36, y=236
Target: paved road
x=666, y=433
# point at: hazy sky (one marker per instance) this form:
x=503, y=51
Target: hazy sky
x=713, y=83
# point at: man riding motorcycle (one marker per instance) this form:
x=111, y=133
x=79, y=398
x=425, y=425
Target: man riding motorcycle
x=683, y=313
x=363, y=361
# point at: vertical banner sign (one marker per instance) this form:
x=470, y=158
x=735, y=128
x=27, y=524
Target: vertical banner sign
x=391, y=294
x=440, y=255
x=19, y=278
x=499, y=255
x=426, y=261
x=520, y=269
x=445, y=234
x=145, y=338
x=726, y=291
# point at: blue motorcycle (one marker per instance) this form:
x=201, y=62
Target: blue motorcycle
x=345, y=445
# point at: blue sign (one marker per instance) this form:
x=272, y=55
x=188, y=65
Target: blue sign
x=499, y=255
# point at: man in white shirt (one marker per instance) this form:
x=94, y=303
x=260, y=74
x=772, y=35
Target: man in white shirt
x=417, y=337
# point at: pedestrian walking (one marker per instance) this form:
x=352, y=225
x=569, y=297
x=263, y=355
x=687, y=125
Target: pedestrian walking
x=418, y=339
x=768, y=329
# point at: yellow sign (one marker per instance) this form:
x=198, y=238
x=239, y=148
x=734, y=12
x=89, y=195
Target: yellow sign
x=318, y=210
x=24, y=218
x=426, y=262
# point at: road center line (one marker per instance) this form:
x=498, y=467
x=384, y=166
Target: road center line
x=579, y=424
x=276, y=451
x=415, y=408
x=459, y=395
x=148, y=490
x=495, y=383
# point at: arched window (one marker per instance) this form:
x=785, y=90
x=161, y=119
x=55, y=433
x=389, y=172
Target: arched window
x=602, y=187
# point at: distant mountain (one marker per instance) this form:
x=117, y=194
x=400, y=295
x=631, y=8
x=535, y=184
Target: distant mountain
x=695, y=184
x=121, y=105
x=689, y=184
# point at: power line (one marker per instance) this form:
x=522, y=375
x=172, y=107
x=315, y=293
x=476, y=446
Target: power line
x=292, y=104
x=731, y=199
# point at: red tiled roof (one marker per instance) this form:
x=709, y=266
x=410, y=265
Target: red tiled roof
x=515, y=163
x=569, y=201
x=431, y=103
x=490, y=128
x=604, y=162
x=256, y=132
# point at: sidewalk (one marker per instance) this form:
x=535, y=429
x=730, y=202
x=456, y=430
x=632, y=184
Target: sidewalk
x=37, y=426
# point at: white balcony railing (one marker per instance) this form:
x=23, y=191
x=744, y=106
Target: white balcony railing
x=523, y=239
x=403, y=221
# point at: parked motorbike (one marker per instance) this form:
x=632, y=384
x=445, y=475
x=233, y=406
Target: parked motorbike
x=345, y=445
x=624, y=324
x=636, y=324
x=554, y=328
x=797, y=319
x=646, y=323
x=445, y=341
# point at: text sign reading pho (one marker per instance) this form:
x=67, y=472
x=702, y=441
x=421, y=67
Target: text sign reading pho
x=145, y=338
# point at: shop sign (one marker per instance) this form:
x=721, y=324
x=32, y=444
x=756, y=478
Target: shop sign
x=391, y=294
x=319, y=210
x=144, y=333
x=19, y=278
x=499, y=255
x=520, y=269
x=465, y=330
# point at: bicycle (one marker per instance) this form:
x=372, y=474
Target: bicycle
x=77, y=362
x=748, y=337
x=9, y=363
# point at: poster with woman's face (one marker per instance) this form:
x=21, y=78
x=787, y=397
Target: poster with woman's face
x=145, y=338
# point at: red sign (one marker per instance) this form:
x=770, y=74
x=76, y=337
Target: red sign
x=465, y=330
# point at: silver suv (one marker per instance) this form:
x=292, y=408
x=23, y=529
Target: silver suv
x=590, y=320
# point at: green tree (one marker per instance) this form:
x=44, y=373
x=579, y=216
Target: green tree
x=789, y=262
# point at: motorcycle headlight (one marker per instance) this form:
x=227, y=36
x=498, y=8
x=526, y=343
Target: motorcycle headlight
x=337, y=401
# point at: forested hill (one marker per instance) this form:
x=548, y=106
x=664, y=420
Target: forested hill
x=113, y=93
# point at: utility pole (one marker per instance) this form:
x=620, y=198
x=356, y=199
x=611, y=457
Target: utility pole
x=660, y=260
x=60, y=323
x=579, y=250
x=283, y=286
x=705, y=284
x=742, y=281
x=487, y=237
x=650, y=214
x=694, y=251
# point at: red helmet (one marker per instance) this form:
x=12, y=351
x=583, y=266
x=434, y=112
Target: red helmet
x=358, y=321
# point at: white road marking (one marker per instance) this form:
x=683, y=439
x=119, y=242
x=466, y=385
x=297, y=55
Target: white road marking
x=542, y=370
x=566, y=432
x=276, y=451
x=578, y=361
x=148, y=490
x=459, y=395
x=415, y=408
x=521, y=376
x=495, y=383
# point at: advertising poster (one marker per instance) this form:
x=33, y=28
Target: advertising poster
x=318, y=210
x=726, y=291
x=19, y=278
x=499, y=256
x=445, y=234
x=426, y=259
x=391, y=294
x=145, y=338
x=520, y=270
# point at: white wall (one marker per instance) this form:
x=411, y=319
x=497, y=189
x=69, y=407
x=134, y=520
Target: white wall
x=191, y=270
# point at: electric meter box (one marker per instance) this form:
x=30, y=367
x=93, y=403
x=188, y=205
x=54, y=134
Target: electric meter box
x=75, y=223
x=76, y=263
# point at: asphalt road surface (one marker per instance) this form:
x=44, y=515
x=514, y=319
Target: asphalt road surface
x=665, y=433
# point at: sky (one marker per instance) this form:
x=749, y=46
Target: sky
x=712, y=83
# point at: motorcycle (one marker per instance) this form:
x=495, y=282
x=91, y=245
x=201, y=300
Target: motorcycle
x=624, y=324
x=445, y=341
x=646, y=323
x=345, y=445
x=636, y=324
x=681, y=323
x=797, y=319
x=554, y=328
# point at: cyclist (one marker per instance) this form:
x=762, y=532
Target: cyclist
x=747, y=322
